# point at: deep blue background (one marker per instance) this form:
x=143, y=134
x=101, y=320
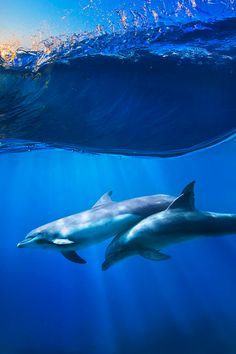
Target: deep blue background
x=49, y=305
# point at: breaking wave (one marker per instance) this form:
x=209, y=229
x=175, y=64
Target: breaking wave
x=152, y=89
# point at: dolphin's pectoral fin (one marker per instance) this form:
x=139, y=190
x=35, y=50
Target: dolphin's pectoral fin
x=73, y=257
x=154, y=255
x=105, y=199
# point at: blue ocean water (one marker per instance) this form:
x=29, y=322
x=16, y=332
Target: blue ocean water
x=50, y=305
x=154, y=85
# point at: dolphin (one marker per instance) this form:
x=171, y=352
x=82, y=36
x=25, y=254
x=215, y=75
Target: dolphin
x=179, y=222
x=106, y=219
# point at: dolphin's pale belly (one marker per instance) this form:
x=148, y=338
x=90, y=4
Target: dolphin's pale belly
x=99, y=230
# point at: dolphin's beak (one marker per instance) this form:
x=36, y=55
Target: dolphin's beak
x=24, y=243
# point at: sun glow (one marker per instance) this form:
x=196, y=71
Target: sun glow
x=8, y=50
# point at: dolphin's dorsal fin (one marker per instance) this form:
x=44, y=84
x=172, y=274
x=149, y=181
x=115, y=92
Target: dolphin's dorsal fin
x=106, y=198
x=185, y=200
x=189, y=188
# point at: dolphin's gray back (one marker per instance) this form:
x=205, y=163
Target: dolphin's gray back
x=169, y=227
x=174, y=226
x=141, y=207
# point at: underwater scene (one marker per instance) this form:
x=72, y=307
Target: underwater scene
x=118, y=177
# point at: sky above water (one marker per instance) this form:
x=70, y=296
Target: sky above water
x=22, y=20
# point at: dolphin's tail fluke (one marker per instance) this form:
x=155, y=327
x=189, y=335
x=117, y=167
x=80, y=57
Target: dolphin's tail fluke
x=73, y=257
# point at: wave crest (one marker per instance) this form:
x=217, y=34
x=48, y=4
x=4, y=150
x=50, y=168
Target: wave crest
x=156, y=91
x=212, y=41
